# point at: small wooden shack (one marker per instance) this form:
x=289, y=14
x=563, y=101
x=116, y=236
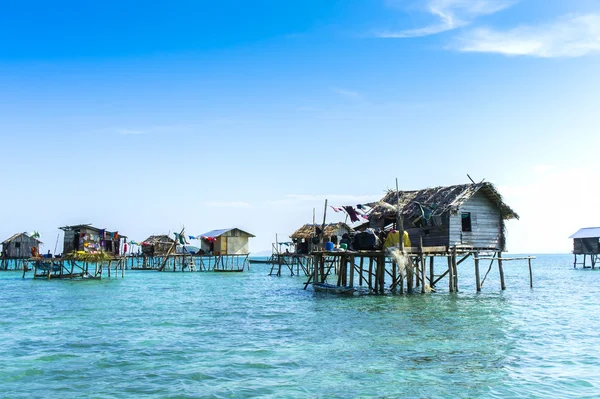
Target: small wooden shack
x=303, y=237
x=231, y=241
x=465, y=217
x=19, y=246
x=586, y=242
x=157, y=245
x=85, y=237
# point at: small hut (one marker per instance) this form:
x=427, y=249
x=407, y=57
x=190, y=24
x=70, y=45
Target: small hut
x=159, y=245
x=586, y=242
x=19, y=246
x=466, y=216
x=85, y=237
x=231, y=241
x=303, y=237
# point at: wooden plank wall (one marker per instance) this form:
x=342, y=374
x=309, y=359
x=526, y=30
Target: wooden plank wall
x=586, y=246
x=486, y=224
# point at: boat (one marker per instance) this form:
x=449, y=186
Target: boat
x=333, y=289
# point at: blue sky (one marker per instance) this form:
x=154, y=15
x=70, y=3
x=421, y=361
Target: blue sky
x=144, y=117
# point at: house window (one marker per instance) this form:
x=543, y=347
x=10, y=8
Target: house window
x=465, y=218
x=17, y=245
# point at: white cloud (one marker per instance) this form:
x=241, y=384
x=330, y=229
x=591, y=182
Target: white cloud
x=227, y=204
x=451, y=14
x=570, y=36
x=130, y=131
x=347, y=93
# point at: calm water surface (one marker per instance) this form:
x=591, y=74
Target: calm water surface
x=208, y=335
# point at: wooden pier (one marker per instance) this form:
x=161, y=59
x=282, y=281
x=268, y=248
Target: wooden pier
x=380, y=272
x=61, y=268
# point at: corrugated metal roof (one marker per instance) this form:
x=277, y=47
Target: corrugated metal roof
x=220, y=232
x=587, y=232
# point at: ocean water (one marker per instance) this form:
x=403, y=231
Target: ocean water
x=248, y=335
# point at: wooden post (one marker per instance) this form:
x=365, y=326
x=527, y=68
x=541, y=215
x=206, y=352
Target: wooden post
x=455, y=269
x=351, y=270
x=431, y=271
x=394, y=271
x=360, y=278
x=501, y=271
x=450, y=274
x=422, y=262
x=409, y=275
x=381, y=269
x=530, y=273
x=371, y=273
x=477, y=279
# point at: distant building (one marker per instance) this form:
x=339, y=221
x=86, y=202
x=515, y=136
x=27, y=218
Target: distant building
x=19, y=246
x=303, y=237
x=231, y=241
x=586, y=242
x=85, y=237
x=158, y=245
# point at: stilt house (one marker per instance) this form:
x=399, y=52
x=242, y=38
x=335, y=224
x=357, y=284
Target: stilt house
x=157, y=245
x=229, y=241
x=303, y=237
x=19, y=246
x=586, y=242
x=85, y=237
x=466, y=216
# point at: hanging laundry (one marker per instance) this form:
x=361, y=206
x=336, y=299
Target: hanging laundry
x=352, y=213
x=116, y=235
x=336, y=208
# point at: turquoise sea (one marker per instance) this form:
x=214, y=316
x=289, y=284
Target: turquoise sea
x=247, y=335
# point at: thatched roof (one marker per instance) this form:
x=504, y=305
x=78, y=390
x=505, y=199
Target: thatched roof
x=441, y=199
x=160, y=239
x=308, y=230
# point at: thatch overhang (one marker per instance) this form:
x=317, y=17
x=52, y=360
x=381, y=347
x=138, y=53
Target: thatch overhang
x=308, y=230
x=159, y=239
x=440, y=199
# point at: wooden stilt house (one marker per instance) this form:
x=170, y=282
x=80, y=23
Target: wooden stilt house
x=303, y=237
x=158, y=245
x=586, y=242
x=19, y=246
x=231, y=241
x=465, y=217
x=89, y=239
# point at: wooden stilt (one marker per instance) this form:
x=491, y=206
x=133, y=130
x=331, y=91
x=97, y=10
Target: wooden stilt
x=360, y=280
x=501, y=271
x=455, y=269
x=431, y=271
x=477, y=279
x=371, y=287
x=530, y=273
x=450, y=274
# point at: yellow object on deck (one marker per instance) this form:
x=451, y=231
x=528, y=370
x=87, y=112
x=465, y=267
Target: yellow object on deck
x=393, y=239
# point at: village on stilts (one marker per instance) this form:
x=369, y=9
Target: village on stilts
x=408, y=241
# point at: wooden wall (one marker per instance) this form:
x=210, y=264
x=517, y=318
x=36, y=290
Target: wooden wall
x=586, y=246
x=20, y=247
x=237, y=245
x=432, y=235
x=486, y=224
